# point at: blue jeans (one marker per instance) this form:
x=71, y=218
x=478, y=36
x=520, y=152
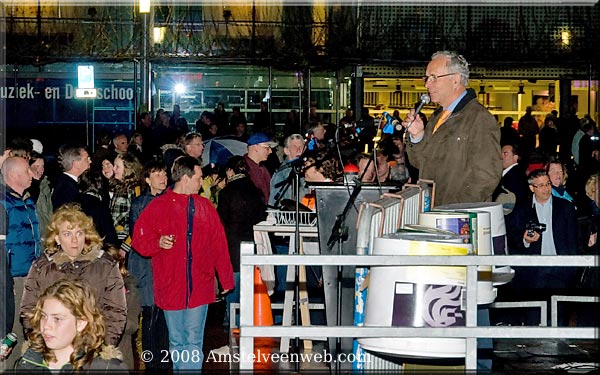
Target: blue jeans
x=186, y=336
x=232, y=297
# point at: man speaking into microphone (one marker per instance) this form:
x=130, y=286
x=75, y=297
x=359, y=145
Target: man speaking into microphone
x=460, y=147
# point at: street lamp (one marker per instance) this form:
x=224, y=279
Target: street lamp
x=144, y=6
x=86, y=89
x=158, y=33
x=145, y=11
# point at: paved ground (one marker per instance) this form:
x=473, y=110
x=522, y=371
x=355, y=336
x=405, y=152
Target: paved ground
x=511, y=356
x=542, y=356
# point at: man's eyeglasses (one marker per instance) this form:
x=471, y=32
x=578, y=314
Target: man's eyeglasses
x=547, y=184
x=434, y=77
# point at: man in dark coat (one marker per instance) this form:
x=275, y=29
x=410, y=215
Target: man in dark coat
x=513, y=181
x=558, y=238
x=74, y=160
x=528, y=129
x=508, y=134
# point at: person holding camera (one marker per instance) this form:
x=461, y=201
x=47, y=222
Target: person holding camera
x=543, y=225
x=555, y=214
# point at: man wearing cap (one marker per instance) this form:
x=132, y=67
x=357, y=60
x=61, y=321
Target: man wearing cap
x=259, y=148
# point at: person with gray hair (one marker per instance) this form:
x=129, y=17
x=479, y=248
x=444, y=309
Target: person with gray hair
x=120, y=143
x=282, y=184
x=283, y=193
x=73, y=160
x=542, y=225
x=20, y=242
x=459, y=148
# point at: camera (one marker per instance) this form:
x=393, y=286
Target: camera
x=532, y=226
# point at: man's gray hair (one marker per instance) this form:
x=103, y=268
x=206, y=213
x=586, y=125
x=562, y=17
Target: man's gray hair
x=456, y=64
x=535, y=174
x=67, y=154
x=117, y=136
x=293, y=137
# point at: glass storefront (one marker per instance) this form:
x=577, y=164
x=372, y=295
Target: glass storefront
x=199, y=89
x=42, y=101
x=503, y=97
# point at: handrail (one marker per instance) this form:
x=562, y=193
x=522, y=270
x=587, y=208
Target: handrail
x=470, y=332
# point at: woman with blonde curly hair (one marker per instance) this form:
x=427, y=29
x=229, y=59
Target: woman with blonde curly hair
x=74, y=251
x=68, y=332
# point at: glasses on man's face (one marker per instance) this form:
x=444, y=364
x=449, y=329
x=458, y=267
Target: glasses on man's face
x=539, y=186
x=433, y=78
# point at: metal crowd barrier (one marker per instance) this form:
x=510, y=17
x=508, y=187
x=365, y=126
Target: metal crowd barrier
x=554, y=300
x=470, y=332
x=543, y=305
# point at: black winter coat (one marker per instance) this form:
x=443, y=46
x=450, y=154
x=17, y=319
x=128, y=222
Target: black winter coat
x=240, y=208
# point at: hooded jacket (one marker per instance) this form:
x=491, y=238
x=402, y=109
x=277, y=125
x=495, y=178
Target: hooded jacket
x=22, y=230
x=98, y=268
x=463, y=156
x=184, y=276
x=108, y=361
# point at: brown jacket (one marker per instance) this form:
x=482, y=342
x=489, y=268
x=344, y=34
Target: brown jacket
x=463, y=156
x=98, y=268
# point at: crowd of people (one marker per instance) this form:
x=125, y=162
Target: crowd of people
x=143, y=226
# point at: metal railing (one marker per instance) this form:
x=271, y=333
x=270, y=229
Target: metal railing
x=470, y=332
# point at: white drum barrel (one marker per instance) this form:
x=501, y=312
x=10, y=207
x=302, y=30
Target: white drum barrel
x=417, y=296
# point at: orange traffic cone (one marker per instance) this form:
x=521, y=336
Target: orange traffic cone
x=263, y=316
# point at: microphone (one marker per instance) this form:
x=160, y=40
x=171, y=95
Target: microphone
x=425, y=99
